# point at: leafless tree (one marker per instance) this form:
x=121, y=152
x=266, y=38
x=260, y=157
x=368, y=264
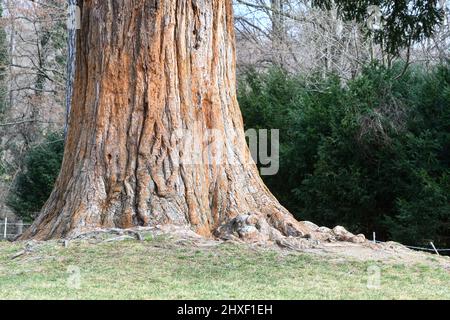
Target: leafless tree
x=301, y=38
x=36, y=79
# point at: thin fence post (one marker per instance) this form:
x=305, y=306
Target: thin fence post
x=6, y=228
x=19, y=227
x=435, y=250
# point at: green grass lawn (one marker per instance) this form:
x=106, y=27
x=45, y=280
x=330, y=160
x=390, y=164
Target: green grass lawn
x=158, y=269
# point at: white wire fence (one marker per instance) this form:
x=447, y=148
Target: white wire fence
x=11, y=229
x=431, y=249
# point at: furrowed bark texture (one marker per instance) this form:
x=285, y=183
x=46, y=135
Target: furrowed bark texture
x=154, y=81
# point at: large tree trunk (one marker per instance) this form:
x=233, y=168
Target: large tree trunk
x=150, y=77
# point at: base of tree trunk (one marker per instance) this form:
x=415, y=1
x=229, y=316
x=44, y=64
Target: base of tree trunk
x=243, y=220
x=155, y=134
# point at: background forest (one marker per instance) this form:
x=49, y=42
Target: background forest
x=364, y=122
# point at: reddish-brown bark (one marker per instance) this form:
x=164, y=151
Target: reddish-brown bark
x=148, y=75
